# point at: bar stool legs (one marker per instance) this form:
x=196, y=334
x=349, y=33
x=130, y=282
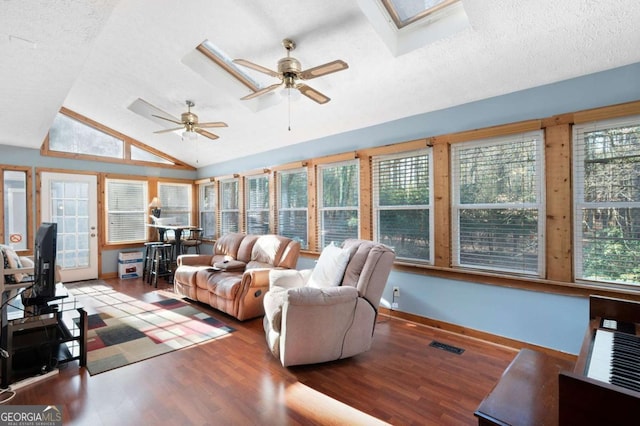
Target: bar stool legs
x=148, y=260
x=161, y=263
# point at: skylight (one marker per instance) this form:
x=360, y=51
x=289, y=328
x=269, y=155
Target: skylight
x=214, y=53
x=406, y=25
x=405, y=12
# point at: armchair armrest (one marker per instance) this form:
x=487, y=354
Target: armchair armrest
x=306, y=296
x=288, y=278
x=194, y=259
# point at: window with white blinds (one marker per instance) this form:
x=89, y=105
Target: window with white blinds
x=207, y=203
x=402, y=204
x=292, y=205
x=229, y=210
x=607, y=200
x=175, y=199
x=126, y=210
x=257, y=204
x=498, y=204
x=338, y=202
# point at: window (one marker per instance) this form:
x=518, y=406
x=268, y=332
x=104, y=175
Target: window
x=175, y=199
x=229, y=209
x=338, y=202
x=607, y=201
x=72, y=136
x=126, y=211
x=208, y=210
x=14, y=201
x=402, y=206
x=292, y=205
x=497, y=204
x=257, y=204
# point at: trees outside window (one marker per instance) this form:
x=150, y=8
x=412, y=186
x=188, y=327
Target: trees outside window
x=292, y=205
x=338, y=202
x=229, y=209
x=402, y=205
x=207, y=194
x=257, y=204
x=607, y=201
x=498, y=204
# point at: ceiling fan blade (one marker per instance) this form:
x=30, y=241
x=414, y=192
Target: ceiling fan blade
x=328, y=68
x=168, y=119
x=169, y=130
x=313, y=94
x=212, y=124
x=261, y=91
x=205, y=133
x=256, y=67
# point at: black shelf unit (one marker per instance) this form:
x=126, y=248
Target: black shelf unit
x=34, y=343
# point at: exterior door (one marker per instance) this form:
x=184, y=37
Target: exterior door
x=71, y=201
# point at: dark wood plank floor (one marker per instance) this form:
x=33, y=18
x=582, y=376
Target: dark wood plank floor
x=236, y=380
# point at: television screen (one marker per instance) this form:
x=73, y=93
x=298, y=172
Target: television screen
x=44, y=285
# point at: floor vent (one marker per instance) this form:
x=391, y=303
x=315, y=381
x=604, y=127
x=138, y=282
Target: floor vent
x=448, y=348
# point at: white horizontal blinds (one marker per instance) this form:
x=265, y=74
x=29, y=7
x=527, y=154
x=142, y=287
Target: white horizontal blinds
x=338, y=201
x=292, y=205
x=127, y=210
x=498, y=204
x=175, y=199
x=229, y=211
x=207, y=203
x=257, y=204
x=607, y=200
x=402, y=204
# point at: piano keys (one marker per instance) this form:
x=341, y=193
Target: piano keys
x=604, y=386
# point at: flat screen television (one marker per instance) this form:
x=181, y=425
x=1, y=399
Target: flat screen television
x=43, y=289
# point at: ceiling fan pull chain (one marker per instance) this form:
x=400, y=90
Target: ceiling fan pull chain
x=289, y=106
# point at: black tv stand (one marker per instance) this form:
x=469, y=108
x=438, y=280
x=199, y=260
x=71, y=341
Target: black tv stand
x=44, y=335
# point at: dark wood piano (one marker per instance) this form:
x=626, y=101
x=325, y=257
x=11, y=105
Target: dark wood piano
x=604, y=386
x=539, y=389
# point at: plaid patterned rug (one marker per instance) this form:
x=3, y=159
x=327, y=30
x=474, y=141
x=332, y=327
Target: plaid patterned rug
x=124, y=330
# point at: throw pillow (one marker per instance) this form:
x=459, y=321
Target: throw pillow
x=330, y=268
x=11, y=261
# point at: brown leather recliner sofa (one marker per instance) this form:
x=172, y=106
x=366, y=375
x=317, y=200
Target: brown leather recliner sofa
x=235, y=277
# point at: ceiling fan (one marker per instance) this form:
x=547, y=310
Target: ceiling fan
x=290, y=71
x=189, y=122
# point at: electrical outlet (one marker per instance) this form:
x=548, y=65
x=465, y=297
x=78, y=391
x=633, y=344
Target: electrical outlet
x=396, y=292
x=394, y=305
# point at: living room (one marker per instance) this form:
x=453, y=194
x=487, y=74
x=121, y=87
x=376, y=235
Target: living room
x=546, y=310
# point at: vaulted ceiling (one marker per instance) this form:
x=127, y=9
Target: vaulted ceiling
x=97, y=57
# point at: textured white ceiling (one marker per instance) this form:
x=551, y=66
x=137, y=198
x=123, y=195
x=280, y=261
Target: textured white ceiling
x=97, y=57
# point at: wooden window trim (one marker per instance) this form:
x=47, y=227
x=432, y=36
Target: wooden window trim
x=127, y=141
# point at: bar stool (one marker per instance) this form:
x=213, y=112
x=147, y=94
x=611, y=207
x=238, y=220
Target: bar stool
x=148, y=257
x=161, y=263
x=193, y=239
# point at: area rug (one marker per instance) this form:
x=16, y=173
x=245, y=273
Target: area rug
x=124, y=330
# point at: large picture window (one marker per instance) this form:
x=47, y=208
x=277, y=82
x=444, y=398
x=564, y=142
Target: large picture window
x=257, y=204
x=292, y=205
x=338, y=202
x=207, y=194
x=498, y=204
x=402, y=206
x=127, y=211
x=607, y=201
x=229, y=209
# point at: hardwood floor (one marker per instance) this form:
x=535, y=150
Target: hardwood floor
x=236, y=380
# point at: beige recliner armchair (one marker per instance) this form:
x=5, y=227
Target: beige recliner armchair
x=309, y=319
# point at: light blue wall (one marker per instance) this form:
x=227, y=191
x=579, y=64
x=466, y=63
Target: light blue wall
x=545, y=319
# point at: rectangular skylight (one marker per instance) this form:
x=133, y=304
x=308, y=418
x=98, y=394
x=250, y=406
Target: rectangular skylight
x=405, y=12
x=214, y=53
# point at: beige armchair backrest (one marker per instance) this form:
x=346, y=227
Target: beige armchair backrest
x=368, y=268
